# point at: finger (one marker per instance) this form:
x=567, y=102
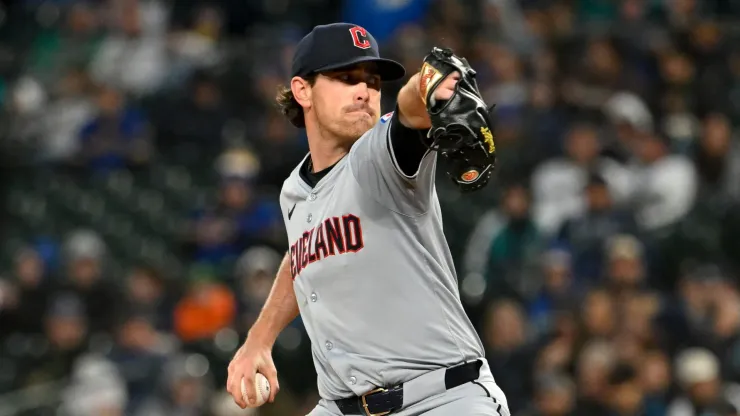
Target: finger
x=450, y=82
x=235, y=388
x=270, y=373
x=229, y=378
x=236, y=391
x=250, y=387
x=443, y=94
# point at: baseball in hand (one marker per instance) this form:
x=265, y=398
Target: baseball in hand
x=262, y=386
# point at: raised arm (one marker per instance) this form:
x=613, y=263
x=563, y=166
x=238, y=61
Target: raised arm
x=412, y=112
x=255, y=355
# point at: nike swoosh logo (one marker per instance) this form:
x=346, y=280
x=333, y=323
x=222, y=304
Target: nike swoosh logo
x=290, y=213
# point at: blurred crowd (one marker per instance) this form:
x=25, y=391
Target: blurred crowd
x=601, y=266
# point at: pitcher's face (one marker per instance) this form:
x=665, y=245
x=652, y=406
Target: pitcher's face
x=346, y=102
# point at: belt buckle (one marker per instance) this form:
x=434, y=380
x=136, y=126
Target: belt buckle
x=364, y=402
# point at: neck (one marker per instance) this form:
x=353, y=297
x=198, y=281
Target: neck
x=325, y=148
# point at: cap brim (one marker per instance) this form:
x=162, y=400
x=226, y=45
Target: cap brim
x=389, y=70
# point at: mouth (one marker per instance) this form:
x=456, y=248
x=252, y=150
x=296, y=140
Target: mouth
x=361, y=111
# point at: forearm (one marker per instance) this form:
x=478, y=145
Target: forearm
x=412, y=111
x=280, y=309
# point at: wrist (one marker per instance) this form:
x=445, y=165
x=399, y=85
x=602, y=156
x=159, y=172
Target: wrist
x=412, y=111
x=262, y=333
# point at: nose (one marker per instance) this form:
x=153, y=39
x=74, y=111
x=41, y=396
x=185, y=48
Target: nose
x=362, y=92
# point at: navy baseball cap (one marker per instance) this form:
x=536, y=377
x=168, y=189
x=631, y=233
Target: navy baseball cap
x=340, y=45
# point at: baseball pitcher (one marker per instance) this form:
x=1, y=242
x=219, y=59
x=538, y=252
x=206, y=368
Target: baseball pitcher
x=368, y=267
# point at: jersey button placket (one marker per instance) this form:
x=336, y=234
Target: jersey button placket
x=314, y=297
x=311, y=198
x=329, y=345
x=353, y=380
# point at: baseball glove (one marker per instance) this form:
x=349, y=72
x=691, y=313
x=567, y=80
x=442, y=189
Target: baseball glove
x=461, y=129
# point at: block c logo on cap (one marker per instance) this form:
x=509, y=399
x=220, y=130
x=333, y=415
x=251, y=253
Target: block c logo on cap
x=359, y=37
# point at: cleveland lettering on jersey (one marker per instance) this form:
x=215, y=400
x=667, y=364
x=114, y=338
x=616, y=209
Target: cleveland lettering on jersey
x=333, y=236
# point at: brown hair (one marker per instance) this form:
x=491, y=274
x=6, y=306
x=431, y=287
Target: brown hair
x=288, y=105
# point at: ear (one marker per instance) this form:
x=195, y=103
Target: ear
x=301, y=91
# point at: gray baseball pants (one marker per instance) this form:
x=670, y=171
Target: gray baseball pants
x=477, y=398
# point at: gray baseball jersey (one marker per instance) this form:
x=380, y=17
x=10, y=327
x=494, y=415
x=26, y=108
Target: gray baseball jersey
x=372, y=272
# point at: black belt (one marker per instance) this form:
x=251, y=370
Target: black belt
x=381, y=401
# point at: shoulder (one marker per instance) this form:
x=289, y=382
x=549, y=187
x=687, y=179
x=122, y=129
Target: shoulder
x=370, y=141
x=380, y=128
x=386, y=117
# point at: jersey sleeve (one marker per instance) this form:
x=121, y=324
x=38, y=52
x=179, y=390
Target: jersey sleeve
x=392, y=164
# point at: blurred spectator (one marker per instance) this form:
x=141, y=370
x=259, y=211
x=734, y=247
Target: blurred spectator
x=139, y=355
x=117, y=137
x=280, y=149
x=625, y=396
x=717, y=160
x=510, y=91
x=184, y=389
x=512, y=258
x=724, y=338
x=554, y=395
x=197, y=120
x=625, y=266
x=132, y=56
x=68, y=112
x=655, y=380
x=72, y=44
x=703, y=391
x=207, y=307
x=557, y=292
x=241, y=218
x=96, y=389
x=85, y=255
x=599, y=72
x=504, y=335
x=149, y=293
x=66, y=331
x=196, y=45
x=595, y=362
x=629, y=118
x=26, y=101
x=680, y=124
x=587, y=234
x=558, y=184
x=667, y=184
x=23, y=310
x=686, y=322
x=707, y=46
x=255, y=274
x=545, y=120
x=636, y=329
x=558, y=349
x=599, y=314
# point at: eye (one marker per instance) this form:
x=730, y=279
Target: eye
x=373, y=81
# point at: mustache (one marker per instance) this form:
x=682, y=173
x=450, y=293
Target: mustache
x=360, y=107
